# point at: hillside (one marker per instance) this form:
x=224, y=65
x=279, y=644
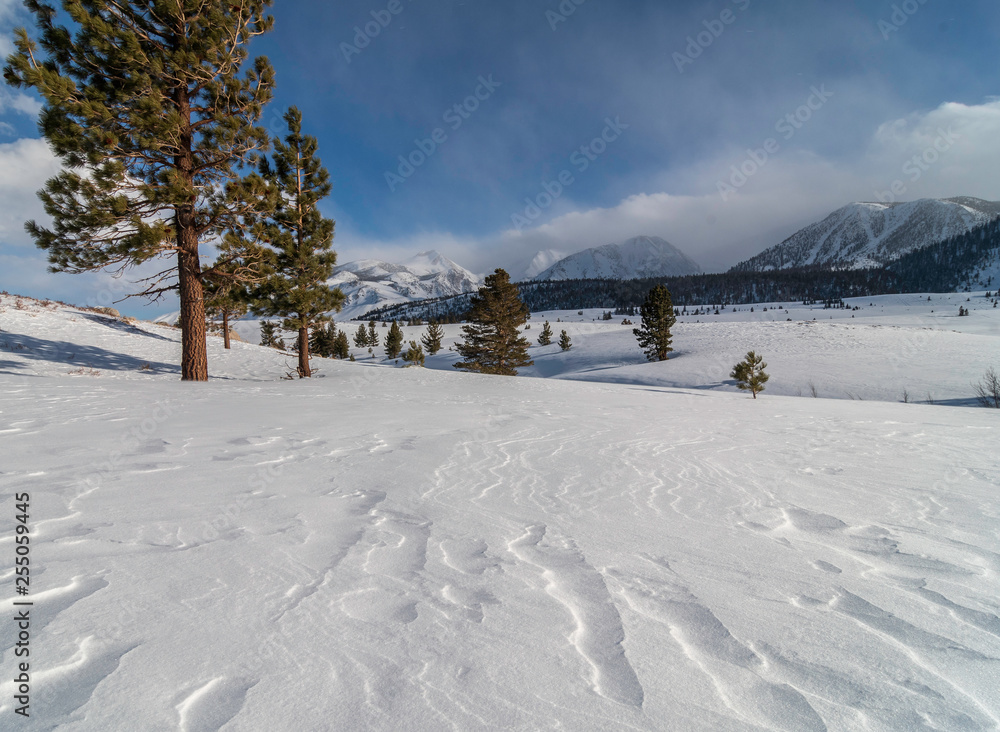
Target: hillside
x=873, y=234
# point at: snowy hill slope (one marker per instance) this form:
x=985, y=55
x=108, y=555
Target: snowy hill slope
x=393, y=549
x=890, y=344
x=370, y=283
x=868, y=234
x=641, y=256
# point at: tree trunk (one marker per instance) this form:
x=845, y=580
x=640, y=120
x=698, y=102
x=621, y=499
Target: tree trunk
x=194, y=355
x=225, y=328
x=194, y=351
x=304, y=371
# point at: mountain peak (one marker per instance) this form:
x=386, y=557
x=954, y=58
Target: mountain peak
x=372, y=283
x=640, y=256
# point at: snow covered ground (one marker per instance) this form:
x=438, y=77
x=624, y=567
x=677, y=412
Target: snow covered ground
x=422, y=549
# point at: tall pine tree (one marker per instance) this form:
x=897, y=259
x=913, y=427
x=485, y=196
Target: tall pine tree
x=301, y=239
x=657, y=320
x=152, y=115
x=493, y=343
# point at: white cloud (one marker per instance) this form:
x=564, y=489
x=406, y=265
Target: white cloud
x=25, y=165
x=956, y=147
x=19, y=102
x=794, y=188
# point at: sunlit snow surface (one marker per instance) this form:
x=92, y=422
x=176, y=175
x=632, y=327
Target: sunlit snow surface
x=422, y=549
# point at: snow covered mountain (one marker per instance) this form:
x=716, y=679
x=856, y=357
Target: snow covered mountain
x=371, y=283
x=869, y=234
x=641, y=256
x=542, y=260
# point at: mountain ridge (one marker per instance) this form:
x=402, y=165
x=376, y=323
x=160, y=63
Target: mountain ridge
x=865, y=234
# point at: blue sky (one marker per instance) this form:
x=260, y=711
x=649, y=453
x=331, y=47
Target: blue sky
x=694, y=92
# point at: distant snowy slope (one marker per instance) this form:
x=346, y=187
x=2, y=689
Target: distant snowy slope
x=371, y=283
x=641, y=256
x=868, y=234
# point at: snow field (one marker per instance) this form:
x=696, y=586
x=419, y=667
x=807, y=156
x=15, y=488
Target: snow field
x=420, y=549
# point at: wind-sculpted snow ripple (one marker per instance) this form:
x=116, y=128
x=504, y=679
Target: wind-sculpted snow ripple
x=597, y=634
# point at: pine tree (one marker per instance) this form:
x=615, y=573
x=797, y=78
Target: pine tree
x=301, y=238
x=361, y=337
x=564, y=341
x=493, y=344
x=657, y=320
x=414, y=354
x=394, y=341
x=432, y=338
x=321, y=340
x=749, y=374
x=226, y=295
x=545, y=337
x=372, y=336
x=152, y=115
x=341, y=348
x=269, y=335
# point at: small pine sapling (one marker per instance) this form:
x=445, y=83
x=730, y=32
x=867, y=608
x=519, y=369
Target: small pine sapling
x=414, y=355
x=564, y=341
x=545, y=337
x=750, y=375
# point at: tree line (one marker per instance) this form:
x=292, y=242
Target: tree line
x=941, y=267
